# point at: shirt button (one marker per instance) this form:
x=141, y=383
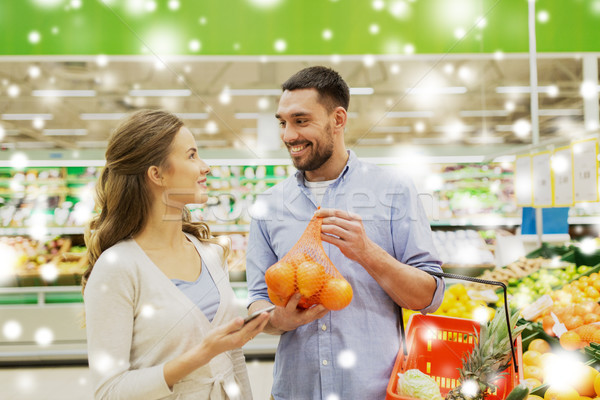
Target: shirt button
x=324, y=362
x=323, y=327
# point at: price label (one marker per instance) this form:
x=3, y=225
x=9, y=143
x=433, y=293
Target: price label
x=542, y=180
x=523, y=183
x=585, y=170
x=562, y=175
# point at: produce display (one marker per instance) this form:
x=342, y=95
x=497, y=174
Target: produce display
x=42, y=263
x=307, y=270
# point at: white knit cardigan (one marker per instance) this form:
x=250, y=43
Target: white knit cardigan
x=137, y=320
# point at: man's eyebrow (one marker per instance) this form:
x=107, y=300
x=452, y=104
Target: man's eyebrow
x=298, y=114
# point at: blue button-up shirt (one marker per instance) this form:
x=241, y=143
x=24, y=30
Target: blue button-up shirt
x=348, y=353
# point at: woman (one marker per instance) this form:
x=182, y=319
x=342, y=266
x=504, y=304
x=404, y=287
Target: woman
x=160, y=317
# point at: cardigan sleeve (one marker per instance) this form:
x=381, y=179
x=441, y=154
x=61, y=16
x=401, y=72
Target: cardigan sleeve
x=109, y=307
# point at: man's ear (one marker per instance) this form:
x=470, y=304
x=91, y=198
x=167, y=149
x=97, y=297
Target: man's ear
x=340, y=117
x=154, y=175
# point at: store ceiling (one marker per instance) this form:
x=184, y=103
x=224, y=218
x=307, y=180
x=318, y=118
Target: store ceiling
x=475, y=113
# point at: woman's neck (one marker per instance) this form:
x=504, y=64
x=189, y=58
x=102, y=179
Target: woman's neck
x=163, y=229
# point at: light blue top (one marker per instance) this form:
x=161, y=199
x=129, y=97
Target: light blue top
x=348, y=353
x=202, y=292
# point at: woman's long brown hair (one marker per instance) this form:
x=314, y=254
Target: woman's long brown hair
x=123, y=198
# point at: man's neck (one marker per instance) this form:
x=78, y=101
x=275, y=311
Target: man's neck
x=331, y=169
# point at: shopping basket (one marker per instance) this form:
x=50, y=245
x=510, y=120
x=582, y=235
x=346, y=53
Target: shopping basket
x=437, y=344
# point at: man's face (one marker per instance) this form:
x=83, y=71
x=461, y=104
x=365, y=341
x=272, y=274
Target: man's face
x=306, y=128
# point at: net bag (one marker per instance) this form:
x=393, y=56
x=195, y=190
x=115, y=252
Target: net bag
x=307, y=270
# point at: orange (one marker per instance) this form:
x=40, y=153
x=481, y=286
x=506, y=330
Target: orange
x=597, y=385
x=310, y=277
x=277, y=299
x=596, y=337
x=574, y=322
x=591, y=318
x=586, y=332
x=586, y=377
x=532, y=357
x=532, y=383
x=281, y=279
x=561, y=393
x=336, y=294
x=548, y=323
x=532, y=371
x=570, y=341
x=539, y=345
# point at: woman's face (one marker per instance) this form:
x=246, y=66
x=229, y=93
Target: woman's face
x=185, y=174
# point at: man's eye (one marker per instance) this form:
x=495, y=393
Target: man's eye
x=300, y=121
x=282, y=123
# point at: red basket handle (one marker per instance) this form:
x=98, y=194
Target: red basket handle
x=476, y=280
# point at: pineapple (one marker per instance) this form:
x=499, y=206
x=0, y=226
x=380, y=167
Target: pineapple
x=490, y=356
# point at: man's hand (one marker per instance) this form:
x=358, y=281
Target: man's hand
x=288, y=318
x=346, y=231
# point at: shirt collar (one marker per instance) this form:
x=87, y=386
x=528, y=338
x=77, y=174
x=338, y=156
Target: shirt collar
x=352, y=160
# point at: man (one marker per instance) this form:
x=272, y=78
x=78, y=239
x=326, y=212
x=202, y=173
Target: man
x=374, y=231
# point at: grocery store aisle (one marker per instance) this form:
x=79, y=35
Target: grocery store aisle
x=73, y=383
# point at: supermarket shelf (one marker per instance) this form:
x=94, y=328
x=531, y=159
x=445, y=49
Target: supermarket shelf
x=587, y=220
x=52, y=231
x=483, y=221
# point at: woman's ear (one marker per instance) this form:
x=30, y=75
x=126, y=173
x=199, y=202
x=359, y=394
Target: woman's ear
x=154, y=175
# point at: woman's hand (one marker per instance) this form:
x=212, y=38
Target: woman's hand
x=226, y=337
x=233, y=334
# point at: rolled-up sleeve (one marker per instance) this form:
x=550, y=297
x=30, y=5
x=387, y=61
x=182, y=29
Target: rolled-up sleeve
x=413, y=241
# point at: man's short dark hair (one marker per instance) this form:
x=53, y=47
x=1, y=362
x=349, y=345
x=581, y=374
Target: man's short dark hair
x=333, y=91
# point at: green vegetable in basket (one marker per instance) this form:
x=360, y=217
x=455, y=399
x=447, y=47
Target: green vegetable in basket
x=414, y=383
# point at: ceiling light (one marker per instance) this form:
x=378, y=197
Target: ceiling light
x=409, y=114
x=336, y=58
x=160, y=92
x=448, y=68
x=2, y=133
x=101, y=116
x=13, y=90
x=485, y=139
x=498, y=55
x=327, y=34
x=588, y=90
x=522, y=89
x=553, y=91
x=34, y=71
x=246, y=115
x=420, y=127
x=522, y=128
x=64, y=132
x=560, y=112
x=543, y=16
x=102, y=60
x=374, y=29
x=192, y=115
x=369, y=60
x=359, y=91
x=484, y=113
x=263, y=103
x=510, y=106
x=394, y=69
x=391, y=129
x=38, y=123
x=465, y=73
x=26, y=117
x=255, y=92
x=34, y=145
x=211, y=127
x=437, y=90
x=34, y=37
x=63, y=93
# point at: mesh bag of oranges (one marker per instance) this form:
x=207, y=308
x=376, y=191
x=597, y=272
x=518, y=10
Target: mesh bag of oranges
x=307, y=270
